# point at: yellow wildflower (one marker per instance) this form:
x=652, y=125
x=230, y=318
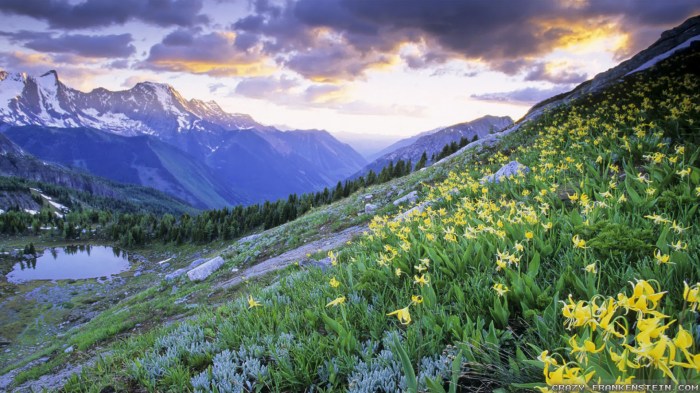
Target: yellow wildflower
x=252, y=302
x=336, y=302
x=661, y=258
x=692, y=295
x=402, y=314
x=591, y=268
x=422, y=280
x=683, y=172
x=334, y=283
x=678, y=246
x=578, y=242
x=416, y=299
x=500, y=289
x=529, y=235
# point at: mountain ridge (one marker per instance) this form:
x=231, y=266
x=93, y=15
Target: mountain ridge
x=245, y=155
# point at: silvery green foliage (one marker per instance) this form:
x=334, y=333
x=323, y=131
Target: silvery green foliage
x=186, y=339
x=435, y=367
x=285, y=342
x=382, y=373
x=232, y=371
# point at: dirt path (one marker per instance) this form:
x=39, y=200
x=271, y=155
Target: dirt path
x=283, y=260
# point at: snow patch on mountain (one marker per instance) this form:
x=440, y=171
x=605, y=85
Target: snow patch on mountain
x=665, y=55
x=11, y=86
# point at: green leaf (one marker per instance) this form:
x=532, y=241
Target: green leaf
x=409, y=373
x=534, y=267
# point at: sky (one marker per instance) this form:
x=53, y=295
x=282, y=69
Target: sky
x=383, y=67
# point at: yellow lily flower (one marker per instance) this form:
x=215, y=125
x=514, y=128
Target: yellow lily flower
x=402, y=314
x=422, y=280
x=336, y=302
x=500, y=289
x=334, y=283
x=252, y=302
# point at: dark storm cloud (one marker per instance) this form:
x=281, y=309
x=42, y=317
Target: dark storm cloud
x=213, y=53
x=504, y=34
x=528, y=95
x=113, y=45
x=118, y=45
x=95, y=13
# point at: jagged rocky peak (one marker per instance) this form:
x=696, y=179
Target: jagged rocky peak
x=147, y=108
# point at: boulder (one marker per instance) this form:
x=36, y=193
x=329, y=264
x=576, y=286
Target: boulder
x=371, y=208
x=418, y=209
x=204, y=270
x=196, y=263
x=411, y=197
x=509, y=170
x=368, y=197
x=324, y=264
x=177, y=273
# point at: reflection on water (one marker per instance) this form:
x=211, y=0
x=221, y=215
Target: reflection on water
x=71, y=262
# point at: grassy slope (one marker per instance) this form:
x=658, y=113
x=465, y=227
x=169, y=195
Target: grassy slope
x=628, y=151
x=192, y=178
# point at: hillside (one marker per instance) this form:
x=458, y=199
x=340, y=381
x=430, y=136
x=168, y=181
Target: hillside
x=580, y=268
x=20, y=171
x=141, y=160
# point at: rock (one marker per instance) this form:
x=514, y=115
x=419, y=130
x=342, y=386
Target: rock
x=368, y=197
x=196, y=263
x=177, y=273
x=249, y=239
x=165, y=265
x=324, y=264
x=138, y=273
x=414, y=210
x=511, y=169
x=371, y=208
x=68, y=350
x=204, y=270
x=411, y=197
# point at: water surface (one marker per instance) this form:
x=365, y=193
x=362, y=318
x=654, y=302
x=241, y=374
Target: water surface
x=73, y=262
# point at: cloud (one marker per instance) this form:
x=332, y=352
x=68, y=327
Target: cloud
x=270, y=88
x=340, y=39
x=545, y=72
x=95, y=13
x=528, y=95
x=298, y=94
x=78, y=76
x=212, y=53
x=134, y=79
x=106, y=46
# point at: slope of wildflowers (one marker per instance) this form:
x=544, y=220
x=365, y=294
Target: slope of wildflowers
x=583, y=270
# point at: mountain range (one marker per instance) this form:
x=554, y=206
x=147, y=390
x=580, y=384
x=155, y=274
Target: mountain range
x=150, y=135
x=433, y=141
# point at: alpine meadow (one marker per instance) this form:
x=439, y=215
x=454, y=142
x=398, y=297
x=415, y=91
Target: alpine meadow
x=155, y=243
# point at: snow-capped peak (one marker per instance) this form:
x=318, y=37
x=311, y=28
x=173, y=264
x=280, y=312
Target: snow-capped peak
x=147, y=108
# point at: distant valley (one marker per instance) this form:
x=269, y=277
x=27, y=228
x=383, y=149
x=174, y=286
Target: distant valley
x=150, y=135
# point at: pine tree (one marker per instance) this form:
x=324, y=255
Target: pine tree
x=422, y=161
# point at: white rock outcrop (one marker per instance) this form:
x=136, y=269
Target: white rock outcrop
x=205, y=270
